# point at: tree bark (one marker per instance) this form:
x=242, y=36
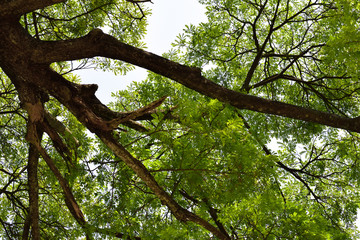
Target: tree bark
x=26, y=62
x=33, y=192
x=16, y=8
x=33, y=78
x=96, y=43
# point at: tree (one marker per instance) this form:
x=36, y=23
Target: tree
x=185, y=153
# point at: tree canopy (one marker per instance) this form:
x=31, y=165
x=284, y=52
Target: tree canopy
x=184, y=154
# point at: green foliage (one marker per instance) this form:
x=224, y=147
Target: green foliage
x=120, y=18
x=214, y=160
x=206, y=152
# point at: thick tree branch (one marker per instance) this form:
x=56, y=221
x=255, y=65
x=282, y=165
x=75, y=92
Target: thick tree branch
x=33, y=191
x=26, y=61
x=69, y=197
x=179, y=212
x=96, y=43
x=72, y=96
x=16, y=8
x=34, y=106
x=32, y=219
x=141, y=171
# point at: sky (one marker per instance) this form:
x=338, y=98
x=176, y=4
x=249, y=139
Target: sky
x=168, y=19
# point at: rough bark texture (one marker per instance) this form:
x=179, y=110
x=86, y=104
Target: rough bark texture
x=33, y=78
x=16, y=8
x=33, y=194
x=26, y=62
x=96, y=43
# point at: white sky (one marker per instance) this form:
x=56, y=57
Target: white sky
x=168, y=19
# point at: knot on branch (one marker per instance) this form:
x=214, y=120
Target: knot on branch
x=88, y=89
x=35, y=111
x=95, y=34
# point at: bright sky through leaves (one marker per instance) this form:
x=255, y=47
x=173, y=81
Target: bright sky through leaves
x=167, y=21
